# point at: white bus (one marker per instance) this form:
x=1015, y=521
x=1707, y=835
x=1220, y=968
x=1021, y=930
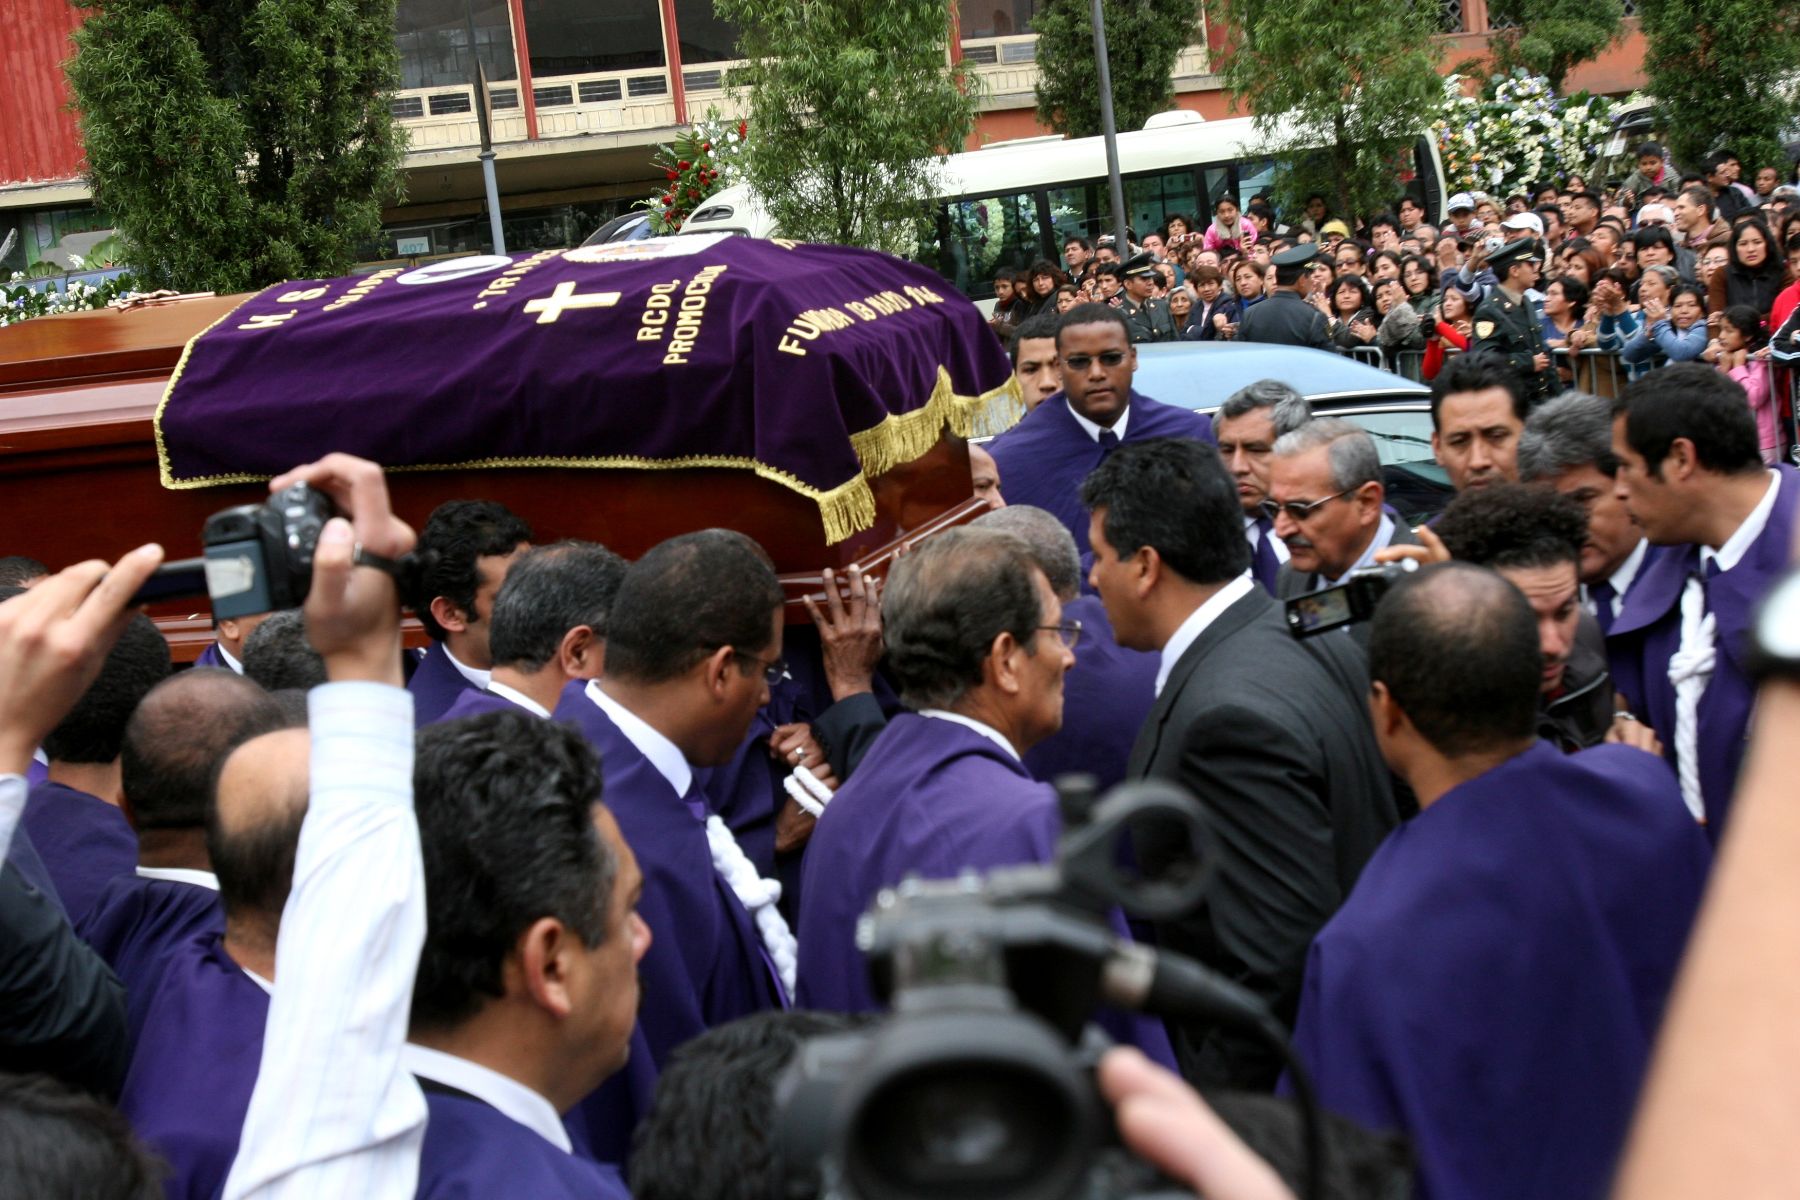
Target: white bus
x=1010, y=204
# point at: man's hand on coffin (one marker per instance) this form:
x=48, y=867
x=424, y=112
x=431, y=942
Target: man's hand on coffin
x=849, y=632
x=352, y=611
x=53, y=640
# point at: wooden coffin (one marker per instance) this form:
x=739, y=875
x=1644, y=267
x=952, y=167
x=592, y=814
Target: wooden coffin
x=78, y=471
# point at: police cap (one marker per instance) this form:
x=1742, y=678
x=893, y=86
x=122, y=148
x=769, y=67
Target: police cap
x=1511, y=254
x=1139, y=266
x=1298, y=256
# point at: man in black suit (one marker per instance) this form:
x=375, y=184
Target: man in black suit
x=1326, y=500
x=1270, y=733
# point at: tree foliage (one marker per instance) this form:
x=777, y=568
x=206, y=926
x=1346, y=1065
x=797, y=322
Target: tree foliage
x=1143, y=40
x=1723, y=72
x=1552, y=37
x=1356, y=80
x=852, y=102
x=239, y=143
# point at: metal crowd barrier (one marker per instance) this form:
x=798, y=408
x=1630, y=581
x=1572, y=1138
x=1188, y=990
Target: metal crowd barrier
x=1598, y=372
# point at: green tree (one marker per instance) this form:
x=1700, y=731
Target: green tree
x=853, y=105
x=239, y=143
x=1552, y=37
x=1143, y=40
x=1341, y=90
x=1723, y=71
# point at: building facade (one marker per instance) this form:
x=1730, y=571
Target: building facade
x=581, y=95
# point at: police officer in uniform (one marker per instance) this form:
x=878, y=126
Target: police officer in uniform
x=1285, y=318
x=1148, y=317
x=1507, y=324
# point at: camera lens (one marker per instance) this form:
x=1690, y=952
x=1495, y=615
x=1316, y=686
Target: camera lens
x=960, y=1106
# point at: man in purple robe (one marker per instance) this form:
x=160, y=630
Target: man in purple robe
x=1691, y=474
x=693, y=638
x=73, y=818
x=227, y=650
x=1044, y=458
x=469, y=546
x=173, y=746
x=197, y=1053
x=547, y=630
x=1493, y=984
x=1109, y=691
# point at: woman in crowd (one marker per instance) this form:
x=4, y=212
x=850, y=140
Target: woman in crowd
x=1247, y=284
x=1067, y=297
x=1420, y=280
x=1040, y=292
x=1176, y=226
x=1351, y=315
x=1384, y=264
x=1733, y=353
x=1565, y=307
x=1181, y=310
x=1401, y=334
x=1450, y=332
x=1752, y=275
x=1622, y=324
x=1677, y=329
x=1229, y=232
x=1581, y=261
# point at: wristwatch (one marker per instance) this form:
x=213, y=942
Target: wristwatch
x=1774, y=645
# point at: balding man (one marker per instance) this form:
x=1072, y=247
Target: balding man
x=1109, y=691
x=548, y=628
x=984, y=474
x=1492, y=985
x=197, y=1058
x=174, y=744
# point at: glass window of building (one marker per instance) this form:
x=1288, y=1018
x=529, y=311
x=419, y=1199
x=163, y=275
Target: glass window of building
x=705, y=38
x=996, y=18
x=433, y=37
x=580, y=37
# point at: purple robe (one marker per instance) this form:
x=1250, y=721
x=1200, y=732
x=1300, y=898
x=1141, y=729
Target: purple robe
x=473, y=1151
x=211, y=657
x=192, y=1073
x=475, y=701
x=435, y=686
x=1044, y=458
x=137, y=924
x=706, y=964
x=932, y=798
x=1647, y=634
x=1107, y=695
x=84, y=842
x=36, y=773
x=1493, y=985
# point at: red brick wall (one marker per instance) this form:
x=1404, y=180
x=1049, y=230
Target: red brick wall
x=41, y=141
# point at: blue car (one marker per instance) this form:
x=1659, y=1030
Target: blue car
x=1396, y=411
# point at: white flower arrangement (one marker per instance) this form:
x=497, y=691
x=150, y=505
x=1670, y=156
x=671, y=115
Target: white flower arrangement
x=1517, y=132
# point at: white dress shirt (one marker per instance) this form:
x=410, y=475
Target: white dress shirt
x=512, y=1098
x=334, y=1111
x=982, y=727
x=1253, y=535
x=1384, y=533
x=231, y=659
x=1093, y=430
x=1691, y=667
x=1621, y=580
x=205, y=879
x=519, y=698
x=14, y=791
x=1189, y=631
x=474, y=675
x=663, y=754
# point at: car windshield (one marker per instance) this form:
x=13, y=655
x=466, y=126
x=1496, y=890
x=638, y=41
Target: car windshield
x=1416, y=486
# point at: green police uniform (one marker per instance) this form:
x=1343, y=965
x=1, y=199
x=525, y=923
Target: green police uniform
x=1510, y=328
x=1150, y=321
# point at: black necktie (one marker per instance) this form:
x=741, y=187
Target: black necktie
x=1709, y=571
x=1603, y=594
x=1265, y=564
x=1109, y=441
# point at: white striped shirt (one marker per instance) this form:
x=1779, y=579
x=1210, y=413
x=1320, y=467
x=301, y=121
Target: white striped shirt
x=13, y=793
x=334, y=1112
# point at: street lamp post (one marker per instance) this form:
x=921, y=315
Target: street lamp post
x=488, y=179
x=1109, y=128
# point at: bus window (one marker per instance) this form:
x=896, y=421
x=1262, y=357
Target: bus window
x=1078, y=212
x=1218, y=186
x=1255, y=177
x=986, y=235
x=1152, y=199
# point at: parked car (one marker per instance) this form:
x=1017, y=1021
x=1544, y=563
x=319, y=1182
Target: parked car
x=1396, y=411
x=626, y=227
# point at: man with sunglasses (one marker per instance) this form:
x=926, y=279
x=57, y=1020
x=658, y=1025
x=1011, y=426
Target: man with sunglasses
x=1044, y=458
x=1326, y=500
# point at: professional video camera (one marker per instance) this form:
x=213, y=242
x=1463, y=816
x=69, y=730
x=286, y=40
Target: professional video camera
x=1345, y=603
x=981, y=1084
x=258, y=558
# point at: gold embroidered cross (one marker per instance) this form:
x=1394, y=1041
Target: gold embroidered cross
x=551, y=307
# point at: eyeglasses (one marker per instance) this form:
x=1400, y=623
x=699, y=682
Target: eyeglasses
x=1081, y=362
x=1299, y=510
x=1069, y=632
x=774, y=669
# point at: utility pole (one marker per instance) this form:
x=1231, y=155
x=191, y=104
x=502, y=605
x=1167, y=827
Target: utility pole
x=1109, y=128
x=487, y=140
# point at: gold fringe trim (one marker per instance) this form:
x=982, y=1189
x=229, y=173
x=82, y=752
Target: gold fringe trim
x=156, y=419
x=901, y=439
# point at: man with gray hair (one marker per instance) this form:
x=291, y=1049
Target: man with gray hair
x=1107, y=694
x=1326, y=500
x=1248, y=425
x=1567, y=444
x=977, y=640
